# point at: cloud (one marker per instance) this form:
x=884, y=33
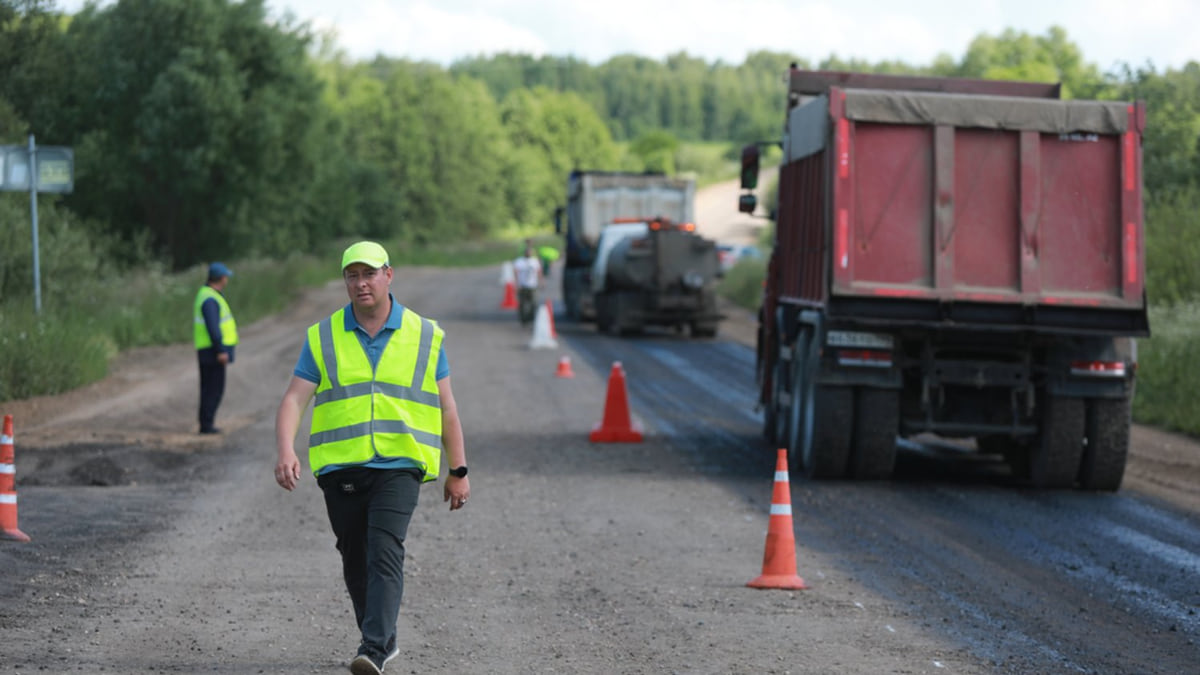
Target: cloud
x=916, y=31
x=424, y=31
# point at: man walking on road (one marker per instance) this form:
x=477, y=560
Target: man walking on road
x=215, y=334
x=384, y=411
x=528, y=269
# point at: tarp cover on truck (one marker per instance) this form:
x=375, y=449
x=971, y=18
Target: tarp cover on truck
x=987, y=112
x=808, y=128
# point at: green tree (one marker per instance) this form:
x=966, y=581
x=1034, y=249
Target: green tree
x=466, y=147
x=682, y=93
x=657, y=150
x=367, y=122
x=1016, y=55
x=631, y=87
x=1173, y=247
x=1171, y=142
x=1171, y=175
x=506, y=72
x=34, y=68
x=199, y=134
x=426, y=149
x=565, y=133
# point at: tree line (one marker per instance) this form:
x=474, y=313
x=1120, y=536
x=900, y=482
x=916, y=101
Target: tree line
x=206, y=129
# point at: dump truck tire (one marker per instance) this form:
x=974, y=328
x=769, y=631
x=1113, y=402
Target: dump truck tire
x=826, y=450
x=876, y=422
x=780, y=384
x=798, y=413
x=1056, y=452
x=1107, y=446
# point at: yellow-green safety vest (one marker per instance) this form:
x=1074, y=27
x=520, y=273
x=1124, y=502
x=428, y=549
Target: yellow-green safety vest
x=229, y=335
x=393, y=410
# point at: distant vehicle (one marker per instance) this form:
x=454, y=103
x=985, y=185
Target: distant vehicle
x=633, y=258
x=728, y=255
x=655, y=273
x=750, y=253
x=956, y=257
x=731, y=254
x=596, y=200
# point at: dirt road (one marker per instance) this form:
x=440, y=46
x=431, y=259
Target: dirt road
x=155, y=549
x=717, y=216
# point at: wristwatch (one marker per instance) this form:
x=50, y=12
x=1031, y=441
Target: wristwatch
x=460, y=472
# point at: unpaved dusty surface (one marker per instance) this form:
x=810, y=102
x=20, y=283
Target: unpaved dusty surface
x=158, y=550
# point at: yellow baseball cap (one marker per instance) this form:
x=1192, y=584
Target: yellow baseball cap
x=366, y=252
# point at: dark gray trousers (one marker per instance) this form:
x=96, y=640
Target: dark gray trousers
x=369, y=510
x=212, y=388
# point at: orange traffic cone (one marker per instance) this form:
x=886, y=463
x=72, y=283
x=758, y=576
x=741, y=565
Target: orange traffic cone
x=564, y=367
x=8, y=489
x=509, y=278
x=617, y=425
x=779, y=558
x=550, y=313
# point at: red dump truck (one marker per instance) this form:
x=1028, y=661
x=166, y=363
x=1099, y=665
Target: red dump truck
x=961, y=258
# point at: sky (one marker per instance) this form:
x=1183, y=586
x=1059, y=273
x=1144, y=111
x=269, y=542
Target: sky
x=1109, y=32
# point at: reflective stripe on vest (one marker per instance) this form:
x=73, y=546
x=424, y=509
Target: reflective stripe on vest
x=393, y=410
x=228, y=326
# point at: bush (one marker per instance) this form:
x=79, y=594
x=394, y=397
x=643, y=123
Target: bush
x=1173, y=247
x=1167, y=389
x=76, y=336
x=50, y=354
x=708, y=162
x=743, y=282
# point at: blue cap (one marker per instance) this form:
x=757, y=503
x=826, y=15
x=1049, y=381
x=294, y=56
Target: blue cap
x=217, y=270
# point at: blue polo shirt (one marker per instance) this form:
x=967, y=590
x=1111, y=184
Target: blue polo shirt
x=306, y=369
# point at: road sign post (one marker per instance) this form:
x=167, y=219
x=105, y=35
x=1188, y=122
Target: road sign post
x=46, y=169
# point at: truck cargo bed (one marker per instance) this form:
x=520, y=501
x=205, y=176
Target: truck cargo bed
x=1027, y=203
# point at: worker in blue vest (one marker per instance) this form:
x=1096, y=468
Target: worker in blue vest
x=383, y=414
x=214, y=332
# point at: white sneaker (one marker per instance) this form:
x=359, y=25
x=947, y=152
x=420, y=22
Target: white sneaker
x=391, y=655
x=364, y=665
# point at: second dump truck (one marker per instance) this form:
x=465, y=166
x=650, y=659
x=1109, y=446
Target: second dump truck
x=962, y=258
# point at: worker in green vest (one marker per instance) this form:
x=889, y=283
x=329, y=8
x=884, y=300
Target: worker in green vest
x=214, y=332
x=547, y=254
x=383, y=414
